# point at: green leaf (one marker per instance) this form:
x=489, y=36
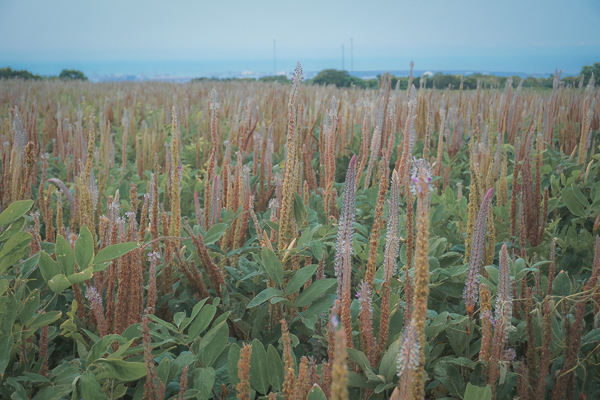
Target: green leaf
x=114, y=251
x=299, y=210
x=316, y=289
x=101, y=347
x=478, y=393
x=195, y=312
x=232, y=362
x=213, y=343
x=122, y=370
x=178, y=318
x=59, y=283
x=167, y=325
x=315, y=393
x=299, y=279
x=64, y=256
x=272, y=265
x=274, y=368
x=14, y=249
x=264, y=296
x=48, y=267
x=215, y=233
x=389, y=361
x=82, y=276
x=6, y=343
x=15, y=210
x=204, y=380
x=562, y=285
x=201, y=322
x=572, y=203
x=258, y=368
x=30, y=306
x=84, y=248
x=317, y=249
x=13, y=229
x=90, y=388
x=121, y=350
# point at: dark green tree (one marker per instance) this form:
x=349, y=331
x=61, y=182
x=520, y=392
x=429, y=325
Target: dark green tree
x=72, y=74
x=342, y=79
x=587, y=70
x=9, y=73
x=275, y=78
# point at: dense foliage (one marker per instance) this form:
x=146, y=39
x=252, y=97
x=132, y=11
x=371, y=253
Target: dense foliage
x=251, y=239
x=69, y=74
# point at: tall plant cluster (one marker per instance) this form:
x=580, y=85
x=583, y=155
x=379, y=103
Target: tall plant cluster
x=264, y=240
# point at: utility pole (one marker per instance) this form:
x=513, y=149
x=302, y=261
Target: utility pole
x=274, y=59
x=342, y=57
x=351, y=55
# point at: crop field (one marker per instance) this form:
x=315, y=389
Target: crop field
x=252, y=240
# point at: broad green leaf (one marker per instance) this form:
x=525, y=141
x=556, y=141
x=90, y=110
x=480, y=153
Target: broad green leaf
x=299, y=279
x=317, y=249
x=478, y=393
x=101, y=347
x=273, y=266
x=492, y=273
x=215, y=233
x=232, y=362
x=14, y=249
x=358, y=357
x=210, y=335
x=195, y=312
x=64, y=256
x=82, y=276
x=214, y=343
x=315, y=393
x=258, y=368
x=44, y=319
x=572, y=203
x=389, y=363
x=84, y=248
x=13, y=229
x=48, y=267
x=201, y=322
x=90, y=388
x=30, y=306
x=122, y=370
x=6, y=343
x=562, y=285
x=59, y=283
x=121, y=350
x=315, y=290
x=15, y=210
x=264, y=296
x=178, y=318
x=114, y=251
x=274, y=368
x=204, y=380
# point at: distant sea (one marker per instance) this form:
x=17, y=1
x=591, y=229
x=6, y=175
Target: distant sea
x=183, y=71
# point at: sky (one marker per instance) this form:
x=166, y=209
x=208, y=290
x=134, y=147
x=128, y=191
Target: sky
x=199, y=37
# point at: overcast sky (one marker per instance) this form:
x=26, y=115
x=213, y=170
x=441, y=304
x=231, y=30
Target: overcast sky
x=495, y=35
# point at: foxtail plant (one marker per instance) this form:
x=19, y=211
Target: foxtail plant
x=470, y=293
x=421, y=186
x=408, y=363
x=502, y=321
x=343, y=249
x=292, y=167
x=392, y=248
